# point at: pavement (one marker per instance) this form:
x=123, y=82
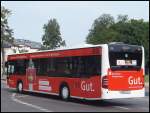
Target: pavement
x=34, y=102
x=147, y=84
x=3, y=77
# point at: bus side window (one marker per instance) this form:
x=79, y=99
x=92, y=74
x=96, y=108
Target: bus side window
x=20, y=67
x=41, y=66
x=11, y=67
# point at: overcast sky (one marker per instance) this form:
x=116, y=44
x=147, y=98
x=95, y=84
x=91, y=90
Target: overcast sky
x=74, y=17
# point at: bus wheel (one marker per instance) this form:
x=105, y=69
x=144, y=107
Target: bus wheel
x=65, y=93
x=20, y=87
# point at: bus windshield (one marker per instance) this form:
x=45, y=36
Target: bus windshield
x=125, y=57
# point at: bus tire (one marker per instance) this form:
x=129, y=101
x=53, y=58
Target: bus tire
x=20, y=87
x=64, y=92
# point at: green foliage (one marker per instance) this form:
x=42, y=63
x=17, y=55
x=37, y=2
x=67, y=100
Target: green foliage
x=14, y=51
x=99, y=30
x=146, y=78
x=122, y=18
x=6, y=32
x=123, y=30
x=52, y=37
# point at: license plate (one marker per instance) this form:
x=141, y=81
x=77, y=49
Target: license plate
x=125, y=92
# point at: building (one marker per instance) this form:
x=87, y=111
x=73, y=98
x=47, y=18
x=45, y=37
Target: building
x=19, y=46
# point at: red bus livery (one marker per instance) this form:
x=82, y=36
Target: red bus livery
x=95, y=72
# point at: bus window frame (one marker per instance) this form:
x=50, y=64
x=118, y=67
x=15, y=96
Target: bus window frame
x=117, y=49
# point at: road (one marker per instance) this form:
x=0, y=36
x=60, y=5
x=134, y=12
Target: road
x=33, y=102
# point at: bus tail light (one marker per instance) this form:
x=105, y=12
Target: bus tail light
x=105, y=82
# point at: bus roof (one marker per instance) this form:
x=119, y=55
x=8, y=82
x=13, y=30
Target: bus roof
x=69, y=48
x=76, y=47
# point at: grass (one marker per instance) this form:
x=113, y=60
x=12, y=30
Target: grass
x=146, y=78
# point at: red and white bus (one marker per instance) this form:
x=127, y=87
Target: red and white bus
x=105, y=71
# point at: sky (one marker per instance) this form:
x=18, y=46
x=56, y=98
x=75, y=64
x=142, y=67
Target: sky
x=74, y=17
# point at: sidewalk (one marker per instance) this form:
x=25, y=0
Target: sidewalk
x=3, y=77
x=147, y=84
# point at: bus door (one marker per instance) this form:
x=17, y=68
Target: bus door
x=30, y=76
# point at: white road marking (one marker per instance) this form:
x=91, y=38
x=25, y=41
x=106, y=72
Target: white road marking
x=22, y=96
x=121, y=107
x=28, y=104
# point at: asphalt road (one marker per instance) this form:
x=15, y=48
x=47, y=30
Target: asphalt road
x=33, y=102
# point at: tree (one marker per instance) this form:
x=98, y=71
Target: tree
x=134, y=32
x=123, y=30
x=122, y=18
x=6, y=33
x=52, y=37
x=100, y=27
